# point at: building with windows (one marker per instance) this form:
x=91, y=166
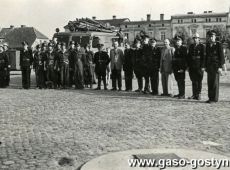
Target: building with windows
x=183, y=24
x=191, y=23
x=160, y=29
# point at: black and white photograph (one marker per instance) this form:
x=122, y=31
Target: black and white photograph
x=114, y=84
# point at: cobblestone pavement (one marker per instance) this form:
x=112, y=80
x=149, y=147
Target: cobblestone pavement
x=62, y=129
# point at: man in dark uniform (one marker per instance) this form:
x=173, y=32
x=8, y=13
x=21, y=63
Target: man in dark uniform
x=128, y=67
x=101, y=60
x=154, y=66
x=6, y=51
x=43, y=53
x=39, y=67
x=196, y=66
x=138, y=65
x=71, y=63
x=179, y=66
x=88, y=67
x=146, y=51
x=50, y=66
x=63, y=65
x=213, y=63
x=3, y=67
x=26, y=61
x=57, y=51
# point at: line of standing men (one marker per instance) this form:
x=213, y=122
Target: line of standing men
x=147, y=60
x=59, y=67
x=56, y=66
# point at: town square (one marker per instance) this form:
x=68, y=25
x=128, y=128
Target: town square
x=91, y=92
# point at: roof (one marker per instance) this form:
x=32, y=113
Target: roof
x=114, y=22
x=147, y=22
x=203, y=15
x=29, y=34
x=4, y=31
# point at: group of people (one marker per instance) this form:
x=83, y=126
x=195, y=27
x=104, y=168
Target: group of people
x=58, y=67
x=148, y=60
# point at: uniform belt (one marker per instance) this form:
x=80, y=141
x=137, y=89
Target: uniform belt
x=177, y=59
x=195, y=57
x=51, y=62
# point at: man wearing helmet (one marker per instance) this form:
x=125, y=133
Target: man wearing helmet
x=196, y=66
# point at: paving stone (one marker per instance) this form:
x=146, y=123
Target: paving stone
x=50, y=124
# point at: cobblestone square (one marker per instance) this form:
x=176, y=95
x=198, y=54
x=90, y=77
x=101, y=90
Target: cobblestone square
x=62, y=129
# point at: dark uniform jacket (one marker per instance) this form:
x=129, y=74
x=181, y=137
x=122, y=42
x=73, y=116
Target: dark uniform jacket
x=214, y=56
x=26, y=58
x=71, y=58
x=138, y=62
x=63, y=58
x=101, y=60
x=196, y=58
x=38, y=60
x=50, y=59
x=179, y=58
x=155, y=59
x=128, y=60
x=3, y=61
x=147, y=56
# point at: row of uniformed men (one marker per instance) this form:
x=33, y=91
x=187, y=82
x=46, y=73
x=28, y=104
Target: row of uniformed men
x=148, y=60
x=145, y=60
x=56, y=66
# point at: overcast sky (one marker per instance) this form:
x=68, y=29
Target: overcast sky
x=46, y=15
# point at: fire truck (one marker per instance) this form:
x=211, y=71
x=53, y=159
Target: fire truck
x=87, y=31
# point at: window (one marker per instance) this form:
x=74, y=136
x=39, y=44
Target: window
x=125, y=26
x=193, y=20
x=181, y=20
x=220, y=19
x=150, y=33
x=138, y=25
x=162, y=36
x=149, y=25
x=63, y=38
x=178, y=21
x=95, y=42
x=127, y=35
x=193, y=31
x=163, y=25
x=209, y=19
x=217, y=19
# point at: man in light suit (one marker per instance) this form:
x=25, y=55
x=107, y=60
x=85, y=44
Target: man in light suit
x=166, y=70
x=116, y=56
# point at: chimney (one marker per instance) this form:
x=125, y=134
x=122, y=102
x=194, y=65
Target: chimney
x=94, y=18
x=23, y=26
x=114, y=17
x=190, y=13
x=161, y=17
x=11, y=27
x=205, y=12
x=148, y=17
x=209, y=11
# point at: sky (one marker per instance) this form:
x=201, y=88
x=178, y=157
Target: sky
x=47, y=15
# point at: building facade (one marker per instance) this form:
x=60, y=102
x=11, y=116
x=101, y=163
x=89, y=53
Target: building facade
x=190, y=23
x=160, y=29
x=185, y=25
